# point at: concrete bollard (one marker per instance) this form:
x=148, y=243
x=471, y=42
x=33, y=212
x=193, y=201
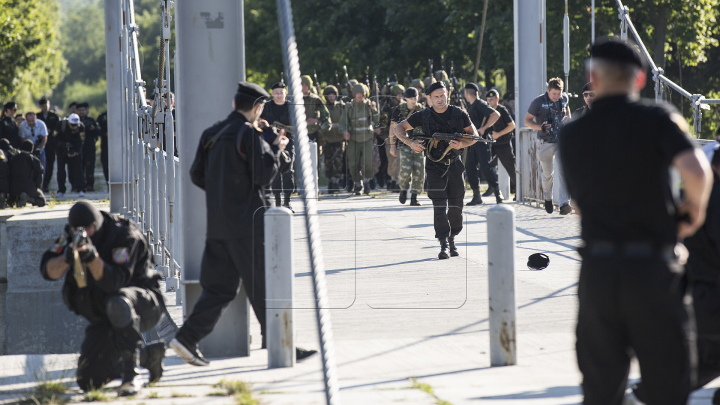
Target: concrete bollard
x=501, y=283
x=279, y=288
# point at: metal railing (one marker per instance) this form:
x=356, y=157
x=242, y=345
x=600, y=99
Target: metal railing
x=149, y=166
x=698, y=101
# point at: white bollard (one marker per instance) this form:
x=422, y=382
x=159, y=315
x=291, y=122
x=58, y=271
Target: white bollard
x=279, y=288
x=501, y=283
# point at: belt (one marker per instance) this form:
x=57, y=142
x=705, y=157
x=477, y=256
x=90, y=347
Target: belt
x=638, y=250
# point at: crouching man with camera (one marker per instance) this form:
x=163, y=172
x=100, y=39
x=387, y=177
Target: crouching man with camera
x=546, y=114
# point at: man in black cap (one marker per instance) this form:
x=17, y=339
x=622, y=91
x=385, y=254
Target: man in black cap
x=92, y=131
x=277, y=111
x=630, y=279
x=588, y=92
x=26, y=173
x=116, y=290
x=483, y=117
x=443, y=165
x=9, y=128
x=236, y=160
x=502, y=132
x=70, y=138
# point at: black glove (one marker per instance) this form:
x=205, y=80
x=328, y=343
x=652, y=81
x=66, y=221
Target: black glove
x=88, y=255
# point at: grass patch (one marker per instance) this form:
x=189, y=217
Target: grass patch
x=428, y=389
x=180, y=395
x=153, y=395
x=96, y=395
x=217, y=394
x=238, y=389
x=47, y=393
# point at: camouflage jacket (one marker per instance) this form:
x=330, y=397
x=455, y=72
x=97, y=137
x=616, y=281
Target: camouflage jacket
x=315, y=108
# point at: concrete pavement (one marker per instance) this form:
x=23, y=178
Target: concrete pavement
x=398, y=313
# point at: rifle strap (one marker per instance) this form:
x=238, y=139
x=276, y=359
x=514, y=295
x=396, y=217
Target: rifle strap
x=209, y=145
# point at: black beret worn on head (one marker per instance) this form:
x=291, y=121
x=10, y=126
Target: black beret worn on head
x=27, y=145
x=9, y=105
x=85, y=214
x=492, y=92
x=411, y=92
x=253, y=91
x=433, y=87
x=613, y=49
x=472, y=86
x=588, y=86
x=278, y=85
x=538, y=261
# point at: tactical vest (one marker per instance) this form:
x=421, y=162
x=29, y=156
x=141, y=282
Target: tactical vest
x=438, y=150
x=405, y=114
x=360, y=124
x=334, y=135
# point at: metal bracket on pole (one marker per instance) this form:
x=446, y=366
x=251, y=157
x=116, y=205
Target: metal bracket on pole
x=698, y=106
x=501, y=283
x=658, y=84
x=623, y=12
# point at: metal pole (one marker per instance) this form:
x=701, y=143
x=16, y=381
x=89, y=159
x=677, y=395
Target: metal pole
x=279, y=287
x=566, y=47
x=480, y=41
x=501, y=283
x=592, y=30
x=292, y=66
x=123, y=119
x=113, y=75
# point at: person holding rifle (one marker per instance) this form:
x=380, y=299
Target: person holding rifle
x=484, y=117
x=333, y=141
x=412, y=164
x=317, y=114
x=277, y=111
x=443, y=166
x=357, y=124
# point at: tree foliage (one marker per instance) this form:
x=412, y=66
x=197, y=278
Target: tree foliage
x=31, y=63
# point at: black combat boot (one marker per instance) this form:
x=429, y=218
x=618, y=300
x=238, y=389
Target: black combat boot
x=476, y=200
x=413, y=200
x=132, y=381
x=489, y=191
x=443, y=249
x=22, y=199
x=453, y=248
x=286, y=204
x=402, y=197
x=549, y=208
x=498, y=196
x=358, y=188
x=367, y=186
x=151, y=357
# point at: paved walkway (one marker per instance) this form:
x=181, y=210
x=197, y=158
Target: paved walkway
x=398, y=313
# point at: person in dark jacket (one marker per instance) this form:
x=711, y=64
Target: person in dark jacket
x=102, y=123
x=26, y=174
x=234, y=163
x=51, y=121
x=92, y=132
x=116, y=289
x=70, y=138
x=8, y=126
x=4, y=180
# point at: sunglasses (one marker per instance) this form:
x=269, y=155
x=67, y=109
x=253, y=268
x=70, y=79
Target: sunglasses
x=586, y=95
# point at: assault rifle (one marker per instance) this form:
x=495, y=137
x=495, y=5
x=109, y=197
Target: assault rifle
x=431, y=74
x=347, y=84
x=317, y=84
x=287, y=128
x=282, y=77
x=78, y=267
x=337, y=84
x=460, y=136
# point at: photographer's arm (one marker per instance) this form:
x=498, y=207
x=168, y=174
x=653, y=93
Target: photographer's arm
x=530, y=122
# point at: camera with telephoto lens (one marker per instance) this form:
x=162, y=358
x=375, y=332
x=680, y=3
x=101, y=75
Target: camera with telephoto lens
x=555, y=120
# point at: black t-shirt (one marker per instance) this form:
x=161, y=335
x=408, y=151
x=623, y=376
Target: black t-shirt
x=479, y=111
x=273, y=112
x=628, y=147
x=542, y=107
x=442, y=119
x=502, y=122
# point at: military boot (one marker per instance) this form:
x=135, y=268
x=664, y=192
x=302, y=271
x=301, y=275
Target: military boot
x=490, y=190
x=132, y=381
x=443, y=249
x=367, y=187
x=498, y=196
x=476, y=200
x=151, y=357
x=453, y=248
x=358, y=189
x=286, y=204
x=3, y=200
x=402, y=197
x=22, y=199
x=413, y=200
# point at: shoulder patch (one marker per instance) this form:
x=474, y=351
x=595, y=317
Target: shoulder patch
x=57, y=248
x=120, y=255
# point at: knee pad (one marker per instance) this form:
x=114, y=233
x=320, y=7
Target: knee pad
x=119, y=312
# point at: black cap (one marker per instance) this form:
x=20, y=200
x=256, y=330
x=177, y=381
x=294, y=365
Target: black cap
x=83, y=105
x=472, y=86
x=85, y=214
x=612, y=49
x=538, y=261
x=433, y=87
x=74, y=103
x=9, y=105
x=43, y=101
x=278, y=85
x=253, y=91
x=588, y=86
x=27, y=145
x=493, y=92
x=411, y=92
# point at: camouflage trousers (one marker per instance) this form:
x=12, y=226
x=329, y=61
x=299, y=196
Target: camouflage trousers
x=333, y=155
x=412, y=170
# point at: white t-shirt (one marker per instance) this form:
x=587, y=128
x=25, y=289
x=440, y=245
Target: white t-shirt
x=34, y=133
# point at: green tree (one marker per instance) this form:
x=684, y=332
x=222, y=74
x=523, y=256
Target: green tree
x=30, y=62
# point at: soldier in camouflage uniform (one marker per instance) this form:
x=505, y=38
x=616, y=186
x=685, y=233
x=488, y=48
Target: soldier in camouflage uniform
x=357, y=124
x=386, y=114
x=333, y=141
x=420, y=87
x=412, y=165
x=316, y=113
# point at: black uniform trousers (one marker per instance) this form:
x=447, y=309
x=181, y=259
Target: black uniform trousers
x=49, y=162
x=633, y=303
x=284, y=183
x=225, y=264
x=479, y=155
x=88, y=162
x=104, y=347
x=74, y=169
x=706, y=305
x=446, y=189
x=506, y=155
